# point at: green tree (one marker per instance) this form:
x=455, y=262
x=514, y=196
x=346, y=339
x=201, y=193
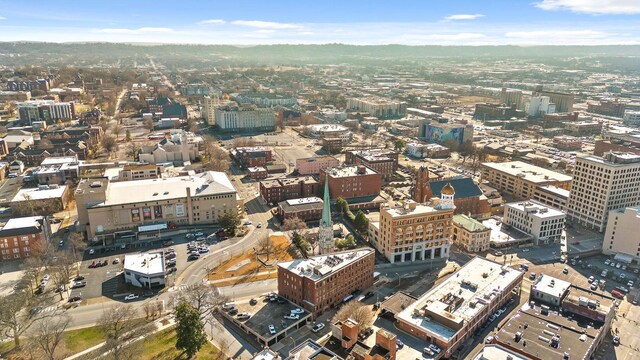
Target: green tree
x=342, y=205
x=190, y=335
x=347, y=242
x=399, y=144
x=361, y=222
x=229, y=222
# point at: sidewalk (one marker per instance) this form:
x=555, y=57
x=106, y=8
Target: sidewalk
x=240, y=277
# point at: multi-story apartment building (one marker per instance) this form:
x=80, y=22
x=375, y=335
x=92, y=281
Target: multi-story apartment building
x=469, y=234
x=275, y=191
x=602, y=184
x=543, y=223
x=351, y=182
x=631, y=118
x=610, y=107
x=449, y=313
x=414, y=232
x=252, y=156
x=245, y=118
x=382, y=161
x=321, y=282
x=520, y=179
x=380, y=108
x=107, y=208
x=45, y=110
x=266, y=99
x=209, y=105
x=621, y=235
x=312, y=165
x=19, y=237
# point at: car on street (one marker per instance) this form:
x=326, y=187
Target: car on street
x=616, y=340
x=193, y=257
x=253, y=302
x=92, y=251
x=399, y=343
x=190, y=236
x=131, y=297
x=565, y=270
x=492, y=317
x=498, y=253
x=74, y=298
x=272, y=329
x=78, y=284
x=61, y=243
x=116, y=261
x=630, y=283
x=525, y=250
x=317, y=327
x=79, y=278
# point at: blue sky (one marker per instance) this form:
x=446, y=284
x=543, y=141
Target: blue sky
x=412, y=22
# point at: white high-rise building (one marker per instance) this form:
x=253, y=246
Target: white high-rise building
x=234, y=118
x=540, y=105
x=602, y=184
x=209, y=109
x=621, y=236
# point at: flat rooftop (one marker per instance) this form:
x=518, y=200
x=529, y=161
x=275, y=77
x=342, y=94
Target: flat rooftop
x=349, y=171
x=296, y=180
x=406, y=210
x=460, y=298
x=128, y=192
x=23, y=222
x=266, y=313
x=576, y=335
x=560, y=192
x=58, y=160
x=303, y=201
x=551, y=286
x=43, y=192
x=317, y=158
x=535, y=209
x=318, y=267
x=151, y=263
x=502, y=235
x=528, y=172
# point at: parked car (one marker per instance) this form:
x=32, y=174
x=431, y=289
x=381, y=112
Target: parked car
x=428, y=351
x=366, y=333
x=131, y=297
x=594, y=286
x=292, y=317
x=565, y=270
x=190, y=236
x=488, y=340
x=79, y=278
x=198, y=234
x=434, y=348
x=167, y=243
x=243, y=316
x=92, y=251
x=253, y=302
x=591, y=278
x=532, y=276
x=272, y=329
x=297, y=311
x=78, y=284
x=203, y=250
x=193, y=257
x=61, y=243
x=259, y=225
x=317, y=327
x=75, y=298
x=616, y=340
x=116, y=261
x=399, y=343
x=92, y=265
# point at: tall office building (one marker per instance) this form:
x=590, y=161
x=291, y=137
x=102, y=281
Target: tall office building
x=602, y=184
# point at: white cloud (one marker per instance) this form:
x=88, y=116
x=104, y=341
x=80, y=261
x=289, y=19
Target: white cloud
x=212, y=22
x=143, y=30
x=265, y=31
x=626, y=7
x=3, y=18
x=265, y=24
x=556, y=34
x=463, y=17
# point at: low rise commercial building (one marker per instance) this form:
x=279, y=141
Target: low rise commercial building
x=470, y=234
x=631, y=118
x=145, y=270
x=421, y=151
x=257, y=173
x=275, y=191
x=46, y=199
x=621, y=235
x=21, y=236
x=543, y=222
x=106, y=208
x=445, y=133
x=382, y=161
x=520, y=179
x=351, y=182
x=583, y=128
x=330, y=131
x=313, y=165
x=57, y=170
x=306, y=209
x=378, y=107
x=449, y=313
x=251, y=156
x=414, y=232
x=322, y=282
x=567, y=143
x=132, y=172
x=468, y=199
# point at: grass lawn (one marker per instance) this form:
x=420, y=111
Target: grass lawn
x=161, y=346
x=81, y=339
x=249, y=271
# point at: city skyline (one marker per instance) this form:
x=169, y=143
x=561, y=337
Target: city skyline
x=538, y=22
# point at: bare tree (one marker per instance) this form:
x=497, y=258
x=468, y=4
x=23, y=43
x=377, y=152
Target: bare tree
x=266, y=246
x=77, y=243
x=214, y=157
x=61, y=271
x=48, y=334
x=109, y=143
x=203, y=297
x=148, y=124
x=133, y=151
x=294, y=223
x=116, y=129
x=118, y=326
x=357, y=312
x=19, y=311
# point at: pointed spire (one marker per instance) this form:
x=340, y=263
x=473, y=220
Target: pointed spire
x=325, y=231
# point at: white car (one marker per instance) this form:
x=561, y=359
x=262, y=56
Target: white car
x=259, y=225
x=272, y=329
x=248, y=222
x=131, y=297
x=46, y=277
x=292, y=317
x=91, y=251
x=317, y=327
x=297, y=311
x=591, y=278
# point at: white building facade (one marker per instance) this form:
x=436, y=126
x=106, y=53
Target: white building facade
x=621, y=236
x=543, y=222
x=244, y=119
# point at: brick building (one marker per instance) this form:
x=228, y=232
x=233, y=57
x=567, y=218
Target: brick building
x=306, y=209
x=20, y=236
x=312, y=165
x=275, y=191
x=382, y=161
x=252, y=156
x=468, y=199
x=321, y=282
x=610, y=107
x=350, y=182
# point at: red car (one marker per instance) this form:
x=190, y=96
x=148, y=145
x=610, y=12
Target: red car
x=93, y=264
x=617, y=294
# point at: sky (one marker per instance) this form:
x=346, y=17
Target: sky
x=359, y=22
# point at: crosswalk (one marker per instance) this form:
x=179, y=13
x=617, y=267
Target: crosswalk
x=48, y=309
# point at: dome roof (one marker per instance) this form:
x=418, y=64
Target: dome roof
x=448, y=190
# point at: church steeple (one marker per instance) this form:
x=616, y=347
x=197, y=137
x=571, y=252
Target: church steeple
x=325, y=232
x=420, y=190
